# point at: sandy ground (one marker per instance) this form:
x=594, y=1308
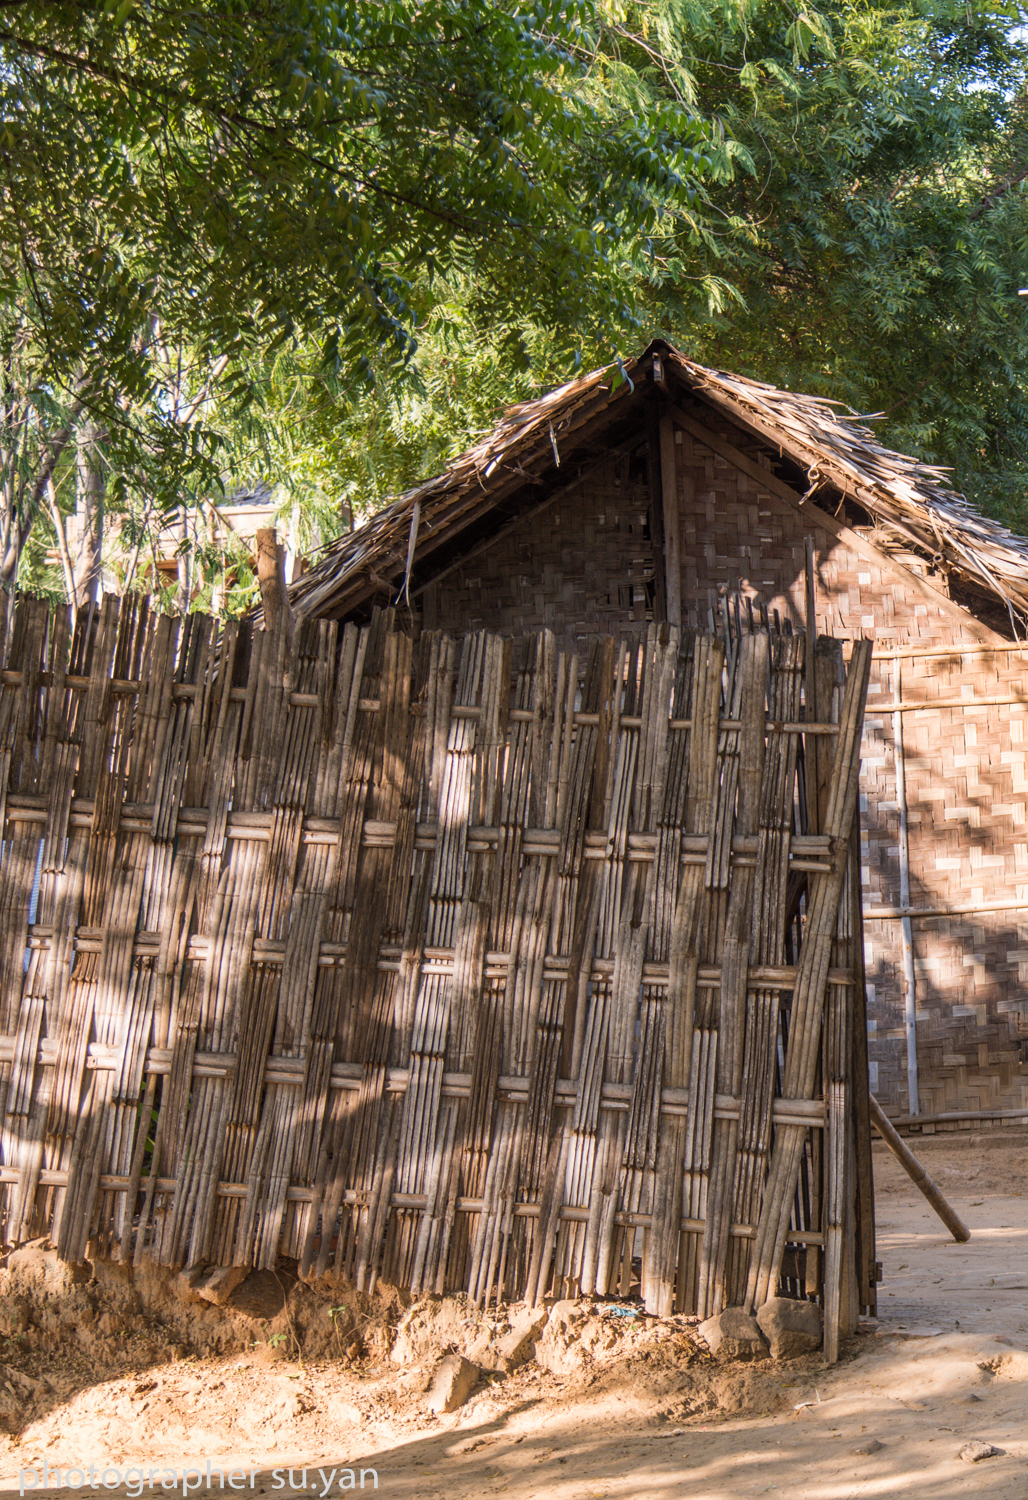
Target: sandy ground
x=947, y=1363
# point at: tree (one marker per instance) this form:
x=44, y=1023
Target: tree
x=219, y=179
x=875, y=246
x=337, y=454
x=860, y=233
x=861, y=230
x=324, y=247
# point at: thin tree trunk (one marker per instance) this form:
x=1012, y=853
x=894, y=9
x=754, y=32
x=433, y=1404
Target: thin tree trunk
x=185, y=560
x=62, y=548
x=10, y=545
x=20, y=501
x=133, y=563
x=89, y=515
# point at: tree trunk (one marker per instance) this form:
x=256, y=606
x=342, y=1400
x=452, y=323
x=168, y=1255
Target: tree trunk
x=185, y=564
x=11, y=542
x=271, y=571
x=89, y=514
x=63, y=552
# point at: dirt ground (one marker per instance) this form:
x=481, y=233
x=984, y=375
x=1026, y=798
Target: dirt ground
x=647, y=1414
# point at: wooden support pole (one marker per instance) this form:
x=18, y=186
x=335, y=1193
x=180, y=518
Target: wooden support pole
x=655, y=483
x=811, y=754
x=906, y=937
x=917, y=1174
x=271, y=575
x=810, y=579
x=672, y=535
x=866, y=1251
x=923, y=913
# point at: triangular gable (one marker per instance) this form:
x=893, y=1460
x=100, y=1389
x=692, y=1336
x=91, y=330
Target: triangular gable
x=541, y=448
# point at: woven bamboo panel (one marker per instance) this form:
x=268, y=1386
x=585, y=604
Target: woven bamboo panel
x=965, y=769
x=437, y=962
x=583, y=567
x=966, y=794
x=965, y=780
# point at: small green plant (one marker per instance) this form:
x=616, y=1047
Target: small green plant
x=277, y=1339
x=337, y=1327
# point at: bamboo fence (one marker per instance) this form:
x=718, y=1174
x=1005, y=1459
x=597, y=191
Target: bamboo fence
x=457, y=965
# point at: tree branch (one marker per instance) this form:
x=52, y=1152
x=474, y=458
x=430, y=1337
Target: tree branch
x=1002, y=188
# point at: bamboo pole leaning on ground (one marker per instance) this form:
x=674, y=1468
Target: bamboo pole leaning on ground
x=917, y=1174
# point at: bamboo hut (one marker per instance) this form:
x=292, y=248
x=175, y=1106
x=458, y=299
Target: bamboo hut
x=613, y=502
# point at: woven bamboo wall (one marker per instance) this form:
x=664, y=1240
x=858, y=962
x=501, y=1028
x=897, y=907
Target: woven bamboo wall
x=425, y=962
x=583, y=567
x=966, y=793
x=965, y=777
x=965, y=768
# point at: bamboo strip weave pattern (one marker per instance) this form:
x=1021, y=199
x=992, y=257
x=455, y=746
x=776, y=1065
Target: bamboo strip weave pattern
x=463, y=965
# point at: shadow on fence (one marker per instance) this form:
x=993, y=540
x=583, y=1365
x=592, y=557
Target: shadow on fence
x=466, y=965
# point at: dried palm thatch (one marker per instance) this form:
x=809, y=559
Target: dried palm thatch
x=538, y=448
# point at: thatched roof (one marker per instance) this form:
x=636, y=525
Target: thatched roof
x=541, y=445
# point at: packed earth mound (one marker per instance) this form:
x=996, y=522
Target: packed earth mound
x=574, y=1401
x=98, y=1362
x=277, y=1357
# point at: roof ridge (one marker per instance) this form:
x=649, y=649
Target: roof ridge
x=899, y=491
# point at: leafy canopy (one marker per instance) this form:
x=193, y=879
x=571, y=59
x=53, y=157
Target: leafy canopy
x=233, y=225
x=188, y=188
x=875, y=244
x=861, y=232
x=244, y=172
